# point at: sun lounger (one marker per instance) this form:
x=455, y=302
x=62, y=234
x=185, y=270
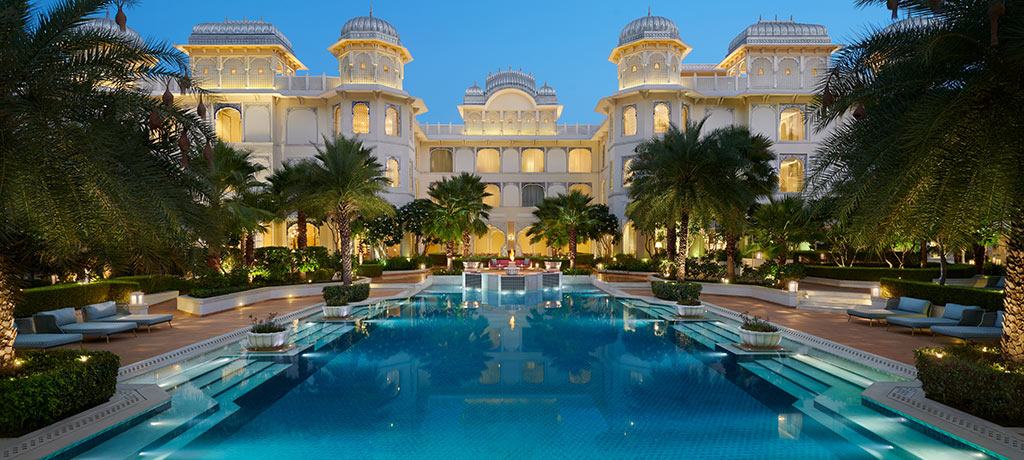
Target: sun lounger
x=990, y=329
x=954, y=315
x=107, y=312
x=63, y=321
x=896, y=306
x=27, y=339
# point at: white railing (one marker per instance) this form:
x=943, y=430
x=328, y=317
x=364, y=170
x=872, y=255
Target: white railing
x=452, y=129
x=306, y=82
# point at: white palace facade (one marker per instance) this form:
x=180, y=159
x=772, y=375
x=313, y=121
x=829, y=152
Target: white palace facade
x=511, y=133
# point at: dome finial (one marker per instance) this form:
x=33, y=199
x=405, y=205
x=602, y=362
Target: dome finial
x=648, y=10
x=371, y=11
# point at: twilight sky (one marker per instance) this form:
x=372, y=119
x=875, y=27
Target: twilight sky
x=456, y=43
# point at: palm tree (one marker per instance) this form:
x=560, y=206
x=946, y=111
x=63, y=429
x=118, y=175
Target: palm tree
x=458, y=209
x=345, y=181
x=286, y=187
x=927, y=125
x=689, y=171
x=80, y=168
x=781, y=224
x=239, y=200
x=569, y=214
x=755, y=178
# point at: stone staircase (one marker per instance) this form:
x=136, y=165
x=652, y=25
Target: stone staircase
x=836, y=301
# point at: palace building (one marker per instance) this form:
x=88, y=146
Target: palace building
x=511, y=132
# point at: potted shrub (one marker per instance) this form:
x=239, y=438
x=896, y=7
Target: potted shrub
x=267, y=334
x=687, y=297
x=759, y=333
x=337, y=307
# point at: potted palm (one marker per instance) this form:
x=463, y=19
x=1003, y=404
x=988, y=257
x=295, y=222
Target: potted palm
x=337, y=307
x=759, y=333
x=687, y=297
x=266, y=333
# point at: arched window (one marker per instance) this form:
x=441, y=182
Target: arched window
x=440, y=160
x=579, y=161
x=392, y=121
x=229, y=125
x=791, y=176
x=337, y=120
x=629, y=121
x=791, y=125
x=391, y=171
x=494, y=200
x=533, y=160
x=582, y=188
x=661, y=117
x=360, y=118
x=533, y=194
x=627, y=173
x=684, y=117
x=488, y=161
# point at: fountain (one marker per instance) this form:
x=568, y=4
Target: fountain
x=511, y=283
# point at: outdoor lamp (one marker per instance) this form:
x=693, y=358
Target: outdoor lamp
x=794, y=286
x=136, y=298
x=876, y=291
x=759, y=256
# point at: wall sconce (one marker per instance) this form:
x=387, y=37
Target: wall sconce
x=136, y=298
x=876, y=291
x=794, y=286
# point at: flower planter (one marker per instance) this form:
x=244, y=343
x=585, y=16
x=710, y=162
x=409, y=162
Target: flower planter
x=756, y=339
x=689, y=310
x=270, y=340
x=471, y=266
x=337, y=311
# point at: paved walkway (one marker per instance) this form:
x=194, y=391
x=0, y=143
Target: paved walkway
x=188, y=329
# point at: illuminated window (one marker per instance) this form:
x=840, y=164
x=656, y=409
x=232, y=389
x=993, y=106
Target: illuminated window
x=391, y=172
x=788, y=71
x=533, y=160
x=582, y=188
x=684, y=117
x=360, y=118
x=627, y=172
x=814, y=71
x=579, y=161
x=657, y=65
x=206, y=71
x=488, y=161
x=440, y=160
x=385, y=68
x=229, y=125
x=391, y=121
x=629, y=121
x=234, y=71
x=760, y=71
x=634, y=69
x=791, y=125
x=791, y=176
x=362, y=66
x=337, y=120
x=259, y=71
x=494, y=200
x=547, y=120
x=533, y=194
x=661, y=117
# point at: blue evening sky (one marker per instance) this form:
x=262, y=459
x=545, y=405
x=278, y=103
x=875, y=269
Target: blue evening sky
x=454, y=44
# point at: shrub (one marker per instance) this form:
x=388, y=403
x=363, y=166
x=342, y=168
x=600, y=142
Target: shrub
x=202, y=293
x=877, y=273
x=48, y=298
x=273, y=261
x=706, y=268
x=265, y=326
x=370, y=270
x=157, y=283
x=312, y=258
x=973, y=379
x=406, y=263
x=632, y=264
x=345, y=293
x=323, y=275
x=446, y=272
x=576, y=271
x=684, y=293
x=51, y=385
x=941, y=295
x=756, y=324
x=992, y=269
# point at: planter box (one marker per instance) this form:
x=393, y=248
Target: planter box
x=337, y=311
x=209, y=305
x=760, y=339
x=271, y=340
x=789, y=299
x=157, y=297
x=690, y=310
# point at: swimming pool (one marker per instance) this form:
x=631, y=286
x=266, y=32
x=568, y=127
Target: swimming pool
x=578, y=375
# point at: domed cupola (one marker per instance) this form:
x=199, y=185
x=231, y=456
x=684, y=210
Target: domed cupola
x=474, y=95
x=107, y=25
x=649, y=27
x=510, y=79
x=781, y=33
x=546, y=95
x=370, y=28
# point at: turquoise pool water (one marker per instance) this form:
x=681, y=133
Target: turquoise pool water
x=577, y=375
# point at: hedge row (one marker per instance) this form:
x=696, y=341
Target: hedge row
x=370, y=270
x=973, y=379
x=48, y=298
x=685, y=293
x=941, y=295
x=51, y=385
x=877, y=273
x=343, y=294
x=157, y=283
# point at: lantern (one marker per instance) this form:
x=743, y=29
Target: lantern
x=120, y=19
x=794, y=286
x=137, y=298
x=876, y=291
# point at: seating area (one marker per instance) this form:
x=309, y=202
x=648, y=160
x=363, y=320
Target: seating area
x=990, y=329
x=965, y=322
x=55, y=328
x=902, y=306
x=504, y=263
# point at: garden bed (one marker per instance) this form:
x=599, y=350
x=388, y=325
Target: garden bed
x=973, y=378
x=227, y=301
x=877, y=273
x=74, y=295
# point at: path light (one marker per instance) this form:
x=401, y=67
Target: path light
x=759, y=255
x=136, y=298
x=794, y=286
x=876, y=291
x=83, y=358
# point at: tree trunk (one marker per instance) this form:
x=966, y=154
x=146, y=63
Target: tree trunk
x=300, y=232
x=416, y=245
x=449, y=252
x=670, y=240
x=345, y=245
x=924, y=253
x=1013, y=303
x=684, y=249
x=572, y=247
x=213, y=260
x=979, y=259
x=465, y=245
x=8, y=291
x=943, y=265
x=250, y=250
x=730, y=256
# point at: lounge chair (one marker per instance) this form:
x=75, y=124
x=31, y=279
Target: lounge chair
x=998, y=285
x=954, y=315
x=27, y=339
x=63, y=321
x=990, y=329
x=107, y=312
x=896, y=306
